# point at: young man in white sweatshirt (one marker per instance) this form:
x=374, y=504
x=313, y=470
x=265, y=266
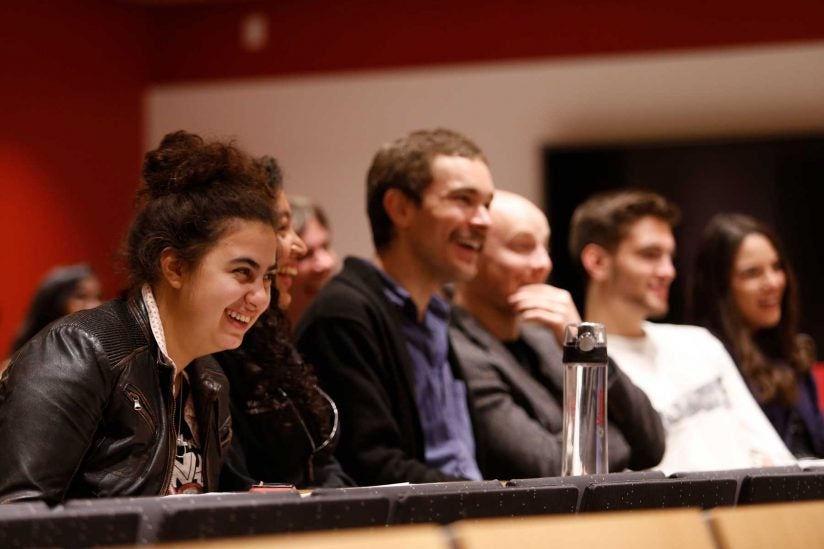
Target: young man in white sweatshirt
x=623, y=241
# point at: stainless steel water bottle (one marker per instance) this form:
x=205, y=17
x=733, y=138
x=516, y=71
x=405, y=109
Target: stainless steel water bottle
x=585, y=399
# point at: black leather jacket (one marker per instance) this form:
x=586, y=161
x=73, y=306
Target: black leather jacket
x=86, y=410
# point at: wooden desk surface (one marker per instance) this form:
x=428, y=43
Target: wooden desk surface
x=675, y=529
x=786, y=525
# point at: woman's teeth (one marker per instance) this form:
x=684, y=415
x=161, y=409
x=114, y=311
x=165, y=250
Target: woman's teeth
x=471, y=244
x=288, y=271
x=239, y=317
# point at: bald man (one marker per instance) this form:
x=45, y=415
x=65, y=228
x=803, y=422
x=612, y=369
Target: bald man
x=506, y=329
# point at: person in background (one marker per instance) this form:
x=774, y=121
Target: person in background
x=377, y=332
x=123, y=399
x=624, y=243
x=507, y=330
x=285, y=426
x=63, y=291
x=744, y=291
x=315, y=267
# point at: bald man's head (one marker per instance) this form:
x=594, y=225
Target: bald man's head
x=510, y=208
x=515, y=253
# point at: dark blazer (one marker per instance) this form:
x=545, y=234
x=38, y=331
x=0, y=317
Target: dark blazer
x=521, y=414
x=352, y=335
x=86, y=410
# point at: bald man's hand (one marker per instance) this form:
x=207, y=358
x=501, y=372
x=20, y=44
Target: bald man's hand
x=548, y=305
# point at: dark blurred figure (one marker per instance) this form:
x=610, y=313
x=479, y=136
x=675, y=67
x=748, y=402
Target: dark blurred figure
x=744, y=291
x=64, y=290
x=317, y=266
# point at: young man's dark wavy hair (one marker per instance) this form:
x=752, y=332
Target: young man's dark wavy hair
x=606, y=218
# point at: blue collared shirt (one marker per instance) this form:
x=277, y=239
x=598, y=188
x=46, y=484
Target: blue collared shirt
x=441, y=399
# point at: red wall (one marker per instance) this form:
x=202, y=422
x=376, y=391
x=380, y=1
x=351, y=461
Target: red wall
x=313, y=35
x=73, y=75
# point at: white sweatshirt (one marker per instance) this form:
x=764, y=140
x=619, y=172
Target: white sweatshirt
x=711, y=419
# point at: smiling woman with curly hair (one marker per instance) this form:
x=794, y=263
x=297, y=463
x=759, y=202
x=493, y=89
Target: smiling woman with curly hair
x=124, y=399
x=285, y=426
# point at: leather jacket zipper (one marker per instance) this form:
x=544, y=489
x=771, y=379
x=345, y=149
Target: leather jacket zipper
x=138, y=400
x=140, y=313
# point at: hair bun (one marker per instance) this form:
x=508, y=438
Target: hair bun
x=184, y=162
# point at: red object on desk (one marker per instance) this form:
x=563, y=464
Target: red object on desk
x=818, y=375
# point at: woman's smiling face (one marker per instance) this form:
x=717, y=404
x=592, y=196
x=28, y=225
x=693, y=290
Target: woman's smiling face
x=225, y=292
x=758, y=282
x=291, y=249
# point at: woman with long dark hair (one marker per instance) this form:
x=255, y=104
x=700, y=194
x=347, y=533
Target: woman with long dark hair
x=744, y=291
x=124, y=399
x=285, y=426
x=64, y=290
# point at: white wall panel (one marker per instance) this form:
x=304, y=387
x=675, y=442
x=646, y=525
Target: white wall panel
x=324, y=129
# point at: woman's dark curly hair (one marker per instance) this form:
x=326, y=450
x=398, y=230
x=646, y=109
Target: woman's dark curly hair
x=276, y=373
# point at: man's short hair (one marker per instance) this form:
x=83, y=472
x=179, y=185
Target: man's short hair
x=406, y=164
x=606, y=218
x=304, y=209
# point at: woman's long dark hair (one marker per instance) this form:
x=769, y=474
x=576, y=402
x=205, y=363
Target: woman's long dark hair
x=276, y=372
x=772, y=359
x=50, y=300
